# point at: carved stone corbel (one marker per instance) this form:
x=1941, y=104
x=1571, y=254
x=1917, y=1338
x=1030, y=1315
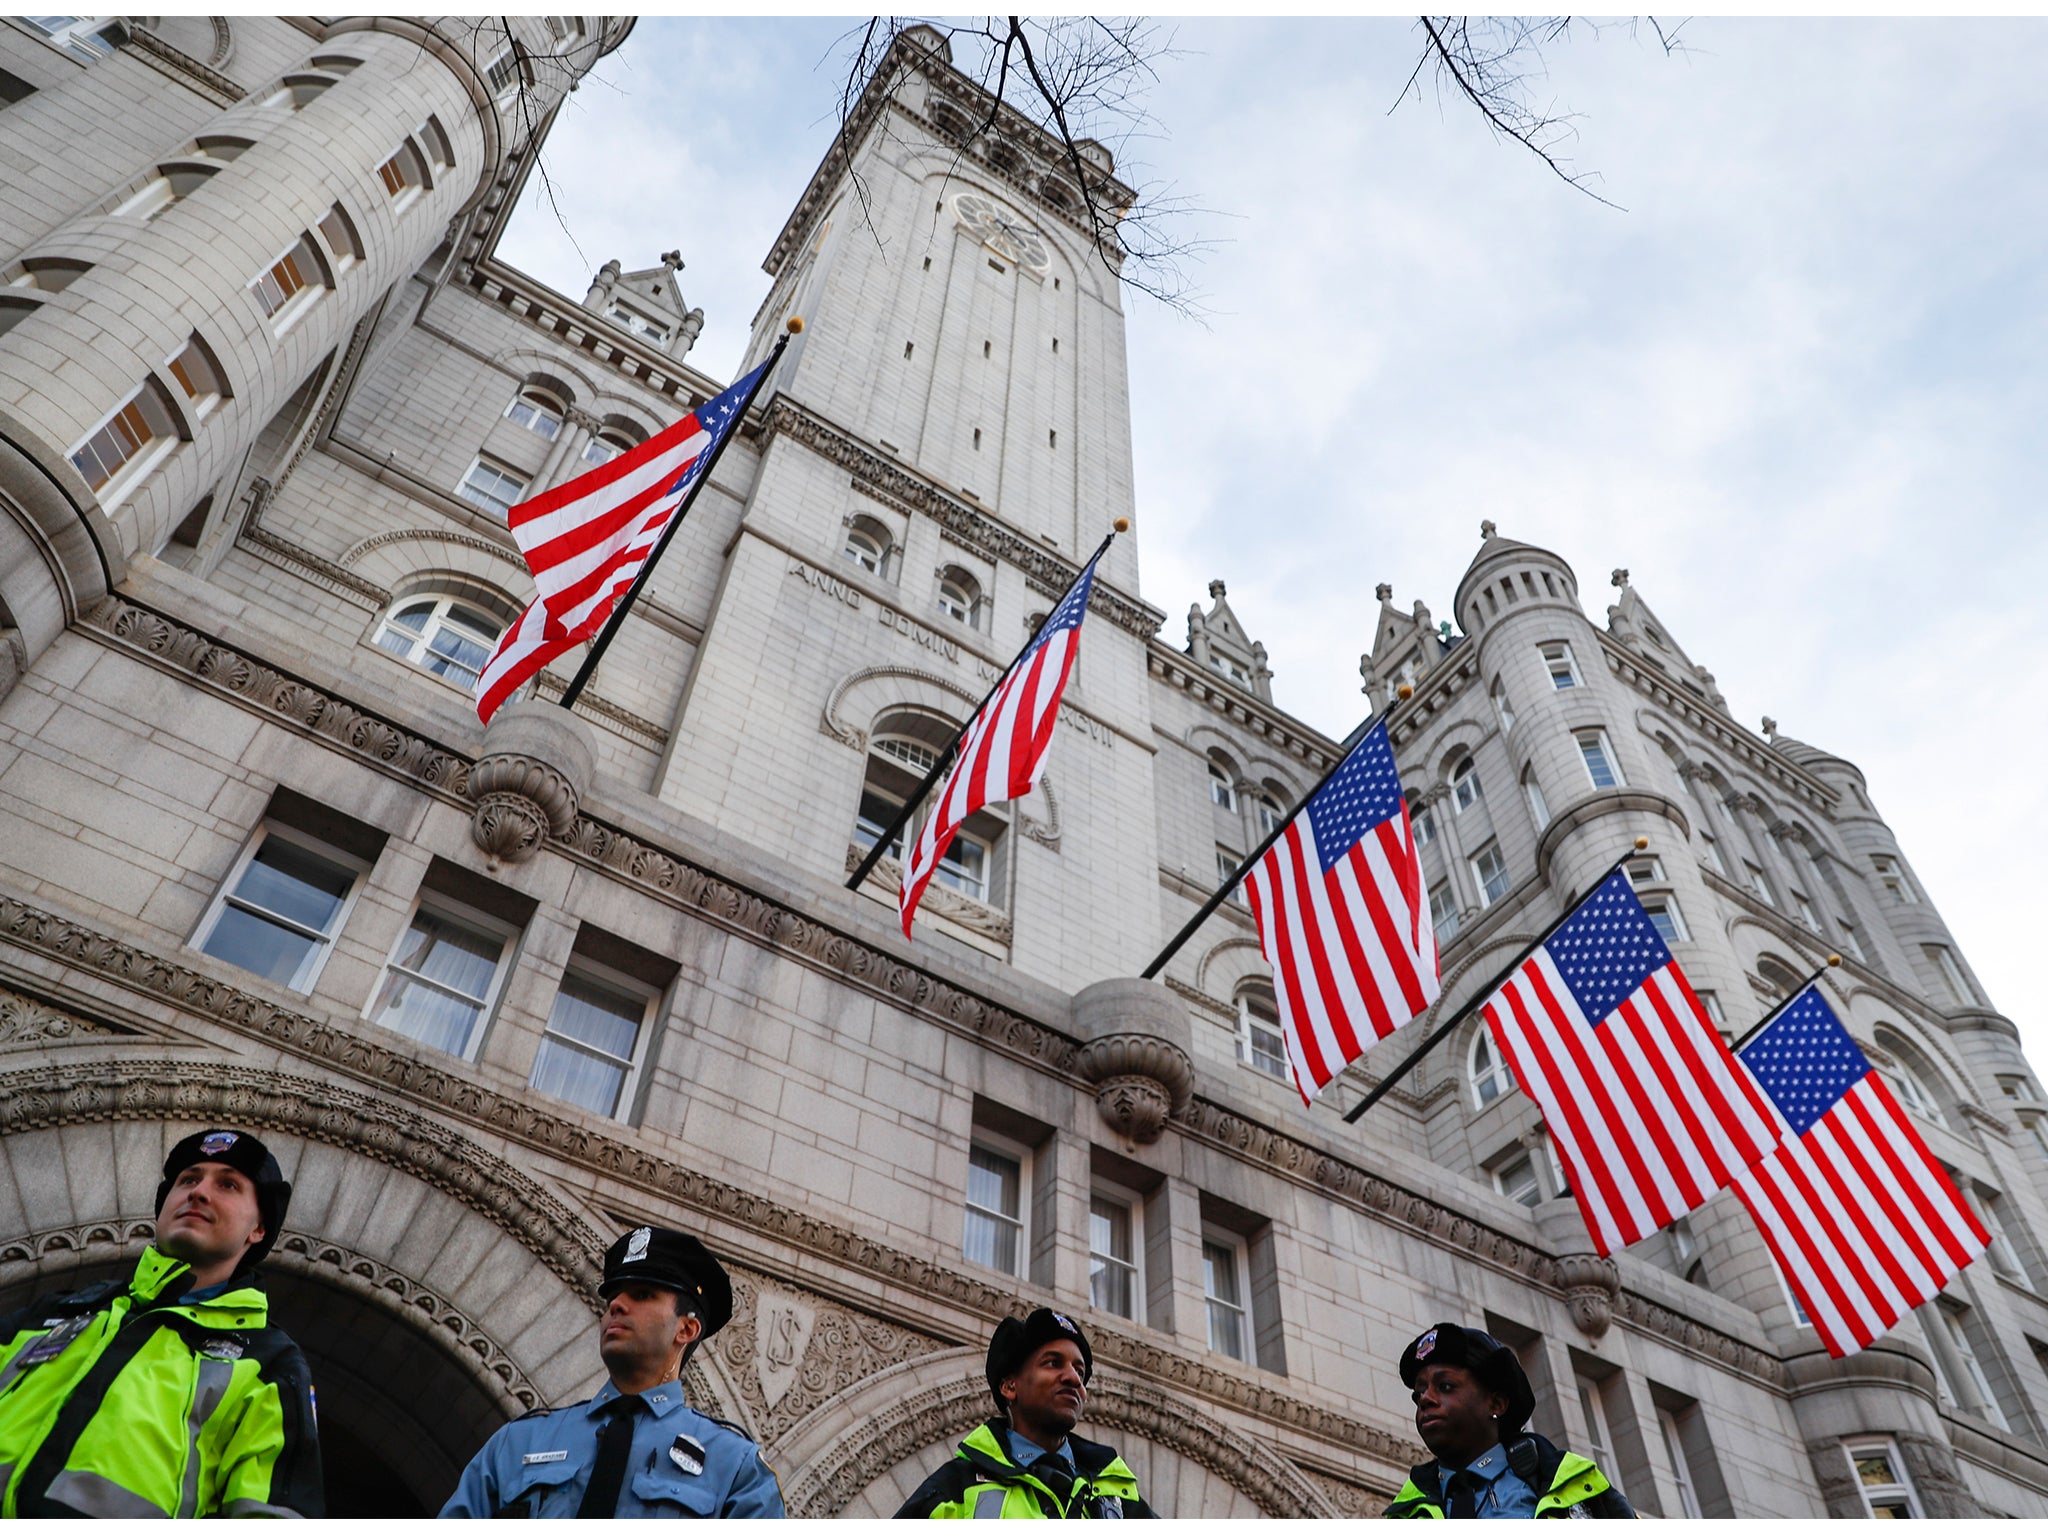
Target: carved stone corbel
x=1591, y=1283
x=1136, y=1050
x=528, y=785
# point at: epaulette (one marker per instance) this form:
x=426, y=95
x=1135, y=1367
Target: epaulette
x=543, y=1412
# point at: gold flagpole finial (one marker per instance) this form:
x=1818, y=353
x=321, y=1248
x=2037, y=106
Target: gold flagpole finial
x=1834, y=960
x=1404, y=693
x=1642, y=843
x=1122, y=525
x=795, y=324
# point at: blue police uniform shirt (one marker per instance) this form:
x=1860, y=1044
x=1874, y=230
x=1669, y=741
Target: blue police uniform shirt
x=1024, y=1452
x=546, y=1460
x=1506, y=1496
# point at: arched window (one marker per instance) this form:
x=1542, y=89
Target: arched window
x=1912, y=1084
x=1266, y=806
x=960, y=596
x=1488, y=1070
x=1222, y=785
x=1465, y=791
x=901, y=751
x=608, y=442
x=1260, y=1043
x=448, y=636
x=537, y=410
x=1782, y=979
x=868, y=545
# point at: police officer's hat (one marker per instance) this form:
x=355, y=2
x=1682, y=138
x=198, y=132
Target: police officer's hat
x=676, y=1261
x=1493, y=1365
x=1015, y=1341
x=247, y=1156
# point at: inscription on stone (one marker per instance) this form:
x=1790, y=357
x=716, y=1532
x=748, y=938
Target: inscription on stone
x=938, y=645
x=825, y=584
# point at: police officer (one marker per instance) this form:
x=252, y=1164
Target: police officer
x=167, y=1393
x=1471, y=1400
x=635, y=1450
x=1026, y=1463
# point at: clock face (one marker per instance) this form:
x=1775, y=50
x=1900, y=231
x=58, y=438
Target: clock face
x=1002, y=229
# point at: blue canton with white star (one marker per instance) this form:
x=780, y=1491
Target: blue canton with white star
x=718, y=416
x=1607, y=949
x=1362, y=793
x=1805, y=1060
x=1073, y=608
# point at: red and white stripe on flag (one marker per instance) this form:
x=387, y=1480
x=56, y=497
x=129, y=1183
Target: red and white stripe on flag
x=1342, y=918
x=1648, y=1109
x=523, y=650
x=1002, y=752
x=1862, y=1220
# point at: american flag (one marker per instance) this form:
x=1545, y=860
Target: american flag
x=1862, y=1220
x=585, y=541
x=1649, y=1111
x=1002, y=752
x=1342, y=917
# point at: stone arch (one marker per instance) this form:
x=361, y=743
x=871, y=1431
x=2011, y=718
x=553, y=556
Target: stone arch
x=1245, y=962
x=397, y=1279
x=864, y=1450
x=403, y=559
x=864, y=696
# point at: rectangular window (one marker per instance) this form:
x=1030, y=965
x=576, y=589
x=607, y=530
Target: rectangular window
x=1805, y=910
x=1973, y=1389
x=964, y=865
x=443, y=978
x=2005, y=1257
x=1424, y=823
x=2020, y=1090
x=1557, y=661
x=1711, y=1001
x=1711, y=854
x=1225, y=1285
x=87, y=39
x=1259, y=1040
x=995, y=1206
x=125, y=438
x=593, y=1038
x=1666, y=919
x=1443, y=912
x=1538, y=806
x=1490, y=870
x=1681, y=1469
x=1892, y=876
x=1852, y=941
x=1882, y=1480
x=1599, y=1437
x=292, y=282
x=1757, y=883
x=281, y=907
x=1648, y=870
x=1599, y=758
x=1944, y=960
x=503, y=73
x=1516, y=1179
x=491, y=486
x=1226, y=866
x=1501, y=707
x=1113, y=1247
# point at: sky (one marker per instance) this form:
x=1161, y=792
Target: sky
x=1796, y=388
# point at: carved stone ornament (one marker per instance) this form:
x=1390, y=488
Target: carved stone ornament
x=1136, y=1053
x=782, y=1332
x=938, y=900
x=527, y=784
x=1590, y=1284
x=24, y=1021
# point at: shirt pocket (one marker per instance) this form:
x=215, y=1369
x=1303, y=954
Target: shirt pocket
x=699, y=1497
x=539, y=1484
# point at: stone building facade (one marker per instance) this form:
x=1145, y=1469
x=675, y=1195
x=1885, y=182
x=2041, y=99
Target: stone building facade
x=265, y=391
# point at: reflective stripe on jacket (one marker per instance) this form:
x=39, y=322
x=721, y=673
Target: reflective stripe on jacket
x=1573, y=1488
x=982, y=1482
x=123, y=1400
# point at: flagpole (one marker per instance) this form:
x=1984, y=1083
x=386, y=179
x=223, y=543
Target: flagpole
x=1216, y=897
x=583, y=673
x=945, y=758
x=1758, y=1028
x=1486, y=992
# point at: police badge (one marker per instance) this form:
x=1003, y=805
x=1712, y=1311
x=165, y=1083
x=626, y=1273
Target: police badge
x=687, y=1454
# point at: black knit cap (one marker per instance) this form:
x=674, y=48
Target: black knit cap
x=675, y=1261
x=247, y=1156
x=1493, y=1365
x=1015, y=1340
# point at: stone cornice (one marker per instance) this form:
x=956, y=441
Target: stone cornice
x=613, y=345
x=183, y=68
x=1717, y=727
x=979, y=530
x=1301, y=742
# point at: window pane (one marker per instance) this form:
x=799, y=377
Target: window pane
x=578, y=1076
x=257, y=944
x=428, y=1016
x=992, y=1182
x=457, y=956
x=991, y=1242
x=287, y=880
x=603, y=1018
x=1219, y=1273
x=1874, y=1468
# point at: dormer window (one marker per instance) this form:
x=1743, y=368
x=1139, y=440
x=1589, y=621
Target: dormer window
x=1230, y=669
